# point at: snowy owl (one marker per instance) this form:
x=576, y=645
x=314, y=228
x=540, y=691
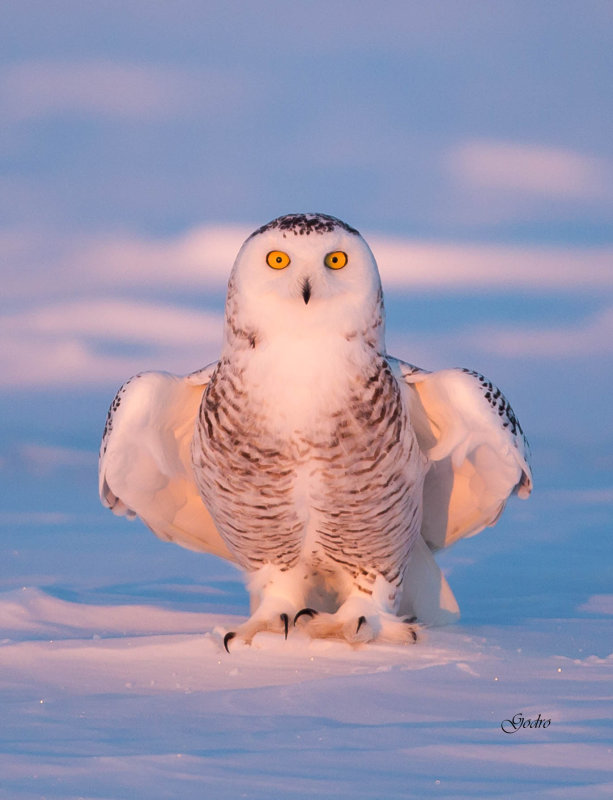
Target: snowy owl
x=326, y=469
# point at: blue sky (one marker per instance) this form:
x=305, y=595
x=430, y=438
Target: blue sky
x=470, y=142
x=441, y=119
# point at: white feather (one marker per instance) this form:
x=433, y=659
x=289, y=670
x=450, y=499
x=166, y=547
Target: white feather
x=145, y=461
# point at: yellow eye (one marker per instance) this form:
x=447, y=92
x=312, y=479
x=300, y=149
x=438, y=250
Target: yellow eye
x=277, y=259
x=336, y=260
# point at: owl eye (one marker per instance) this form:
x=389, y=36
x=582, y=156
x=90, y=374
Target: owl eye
x=277, y=259
x=336, y=260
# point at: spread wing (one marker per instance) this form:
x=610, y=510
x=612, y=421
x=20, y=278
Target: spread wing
x=145, y=458
x=478, y=458
x=478, y=451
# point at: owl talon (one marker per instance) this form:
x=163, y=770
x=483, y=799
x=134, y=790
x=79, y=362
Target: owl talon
x=285, y=621
x=228, y=638
x=361, y=621
x=309, y=612
x=410, y=621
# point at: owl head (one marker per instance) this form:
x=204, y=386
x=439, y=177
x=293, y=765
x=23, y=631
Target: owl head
x=305, y=275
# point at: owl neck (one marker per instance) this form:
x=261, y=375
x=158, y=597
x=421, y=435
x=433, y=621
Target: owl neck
x=303, y=365
x=301, y=384
x=314, y=330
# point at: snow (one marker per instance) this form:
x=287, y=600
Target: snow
x=137, y=700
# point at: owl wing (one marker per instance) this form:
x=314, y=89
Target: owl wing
x=478, y=452
x=478, y=457
x=145, y=458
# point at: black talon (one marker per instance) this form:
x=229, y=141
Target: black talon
x=285, y=620
x=361, y=621
x=410, y=621
x=228, y=638
x=310, y=612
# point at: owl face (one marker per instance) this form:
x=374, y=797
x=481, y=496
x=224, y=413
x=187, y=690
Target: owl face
x=302, y=274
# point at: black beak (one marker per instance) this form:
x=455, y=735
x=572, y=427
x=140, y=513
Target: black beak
x=306, y=291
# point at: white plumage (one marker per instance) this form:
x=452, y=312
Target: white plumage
x=328, y=470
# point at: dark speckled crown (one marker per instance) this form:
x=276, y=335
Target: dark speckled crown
x=305, y=224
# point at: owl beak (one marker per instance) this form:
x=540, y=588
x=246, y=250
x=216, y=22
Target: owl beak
x=306, y=291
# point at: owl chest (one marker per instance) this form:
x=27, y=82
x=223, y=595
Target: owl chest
x=336, y=491
x=282, y=441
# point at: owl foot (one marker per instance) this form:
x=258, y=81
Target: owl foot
x=361, y=618
x=378, y=627
x=256, y=624
x=276, y=596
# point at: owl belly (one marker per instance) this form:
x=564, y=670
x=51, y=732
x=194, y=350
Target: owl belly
x=339, y=494
x=367, y=493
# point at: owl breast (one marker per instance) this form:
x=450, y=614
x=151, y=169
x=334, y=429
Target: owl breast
x=289, y=479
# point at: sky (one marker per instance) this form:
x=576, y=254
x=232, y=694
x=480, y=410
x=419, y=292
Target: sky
x=441, y=120
x=142, y=142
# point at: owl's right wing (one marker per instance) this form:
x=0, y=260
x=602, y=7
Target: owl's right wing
x=479, y=455
x=145, y=458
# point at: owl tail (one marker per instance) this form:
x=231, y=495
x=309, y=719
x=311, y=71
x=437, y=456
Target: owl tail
x=425, y=591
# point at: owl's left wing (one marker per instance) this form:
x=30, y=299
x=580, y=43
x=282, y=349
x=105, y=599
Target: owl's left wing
x=145, y=458
x=478, y=452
